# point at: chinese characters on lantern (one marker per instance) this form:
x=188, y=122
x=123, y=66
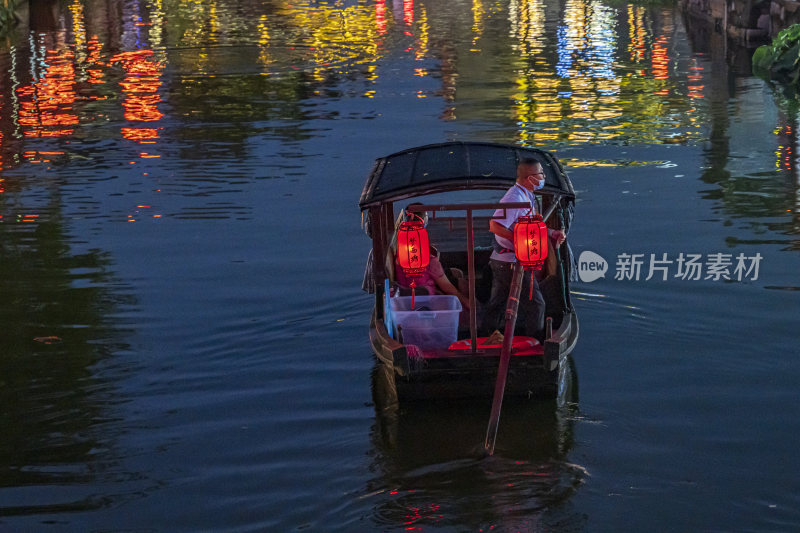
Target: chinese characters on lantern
x=413, y=251
x=530, y=241
x=413, y=247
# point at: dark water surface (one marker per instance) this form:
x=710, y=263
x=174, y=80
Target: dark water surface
x=183, y=338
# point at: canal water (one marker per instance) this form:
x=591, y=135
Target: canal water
x=183, y=335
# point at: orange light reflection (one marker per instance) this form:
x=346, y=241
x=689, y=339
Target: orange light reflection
x=140, y=134
x=47, y=103
x=140, y=86
x=380, y=16
x=660, y=60
x=34, y=156
x=408, y=12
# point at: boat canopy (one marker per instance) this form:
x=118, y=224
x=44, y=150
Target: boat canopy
x=451, y=166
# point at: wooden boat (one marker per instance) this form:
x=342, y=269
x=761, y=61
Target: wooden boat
x=441, y=177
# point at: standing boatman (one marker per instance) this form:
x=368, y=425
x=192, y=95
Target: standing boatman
x=530, y=177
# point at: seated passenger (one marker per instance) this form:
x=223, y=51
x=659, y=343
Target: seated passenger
x=433, y=280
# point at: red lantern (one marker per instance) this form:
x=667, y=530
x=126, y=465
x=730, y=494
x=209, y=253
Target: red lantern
x=413, y=251
x=530, y=244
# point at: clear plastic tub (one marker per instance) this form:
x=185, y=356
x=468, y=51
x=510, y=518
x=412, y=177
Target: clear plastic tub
x=432, y=324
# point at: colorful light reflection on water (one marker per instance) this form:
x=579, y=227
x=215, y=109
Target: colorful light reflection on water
x=166, y=166
x=572, y=84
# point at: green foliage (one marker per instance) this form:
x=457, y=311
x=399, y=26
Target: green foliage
x=780, y=60
x=8, y=18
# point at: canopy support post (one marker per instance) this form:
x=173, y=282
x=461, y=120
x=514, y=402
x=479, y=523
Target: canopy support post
x=473, y=312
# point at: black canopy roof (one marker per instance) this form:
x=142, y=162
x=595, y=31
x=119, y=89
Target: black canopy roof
x=456, y=166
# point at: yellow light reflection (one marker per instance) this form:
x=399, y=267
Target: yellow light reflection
x=333, y=34
x=264, y=56
x=637, y=33
x=78, y=30
x=478, y=14
x=203, y=13
x=784, y=154
x=423, y=29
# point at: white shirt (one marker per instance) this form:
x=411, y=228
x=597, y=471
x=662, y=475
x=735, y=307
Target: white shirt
x=517, y=193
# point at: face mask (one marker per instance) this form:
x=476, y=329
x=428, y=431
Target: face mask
x=539, y=186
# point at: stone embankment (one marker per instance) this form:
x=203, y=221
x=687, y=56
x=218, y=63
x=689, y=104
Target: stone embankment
x=746, y=20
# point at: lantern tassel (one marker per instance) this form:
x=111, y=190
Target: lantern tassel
x=530, y=293
x=413, y=284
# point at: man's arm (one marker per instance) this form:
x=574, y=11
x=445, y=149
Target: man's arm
x=500, y=230
x=557, y=235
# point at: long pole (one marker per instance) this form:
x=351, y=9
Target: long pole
x=505, y=357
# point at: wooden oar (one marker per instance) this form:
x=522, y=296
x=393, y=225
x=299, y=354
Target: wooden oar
x=505, y=356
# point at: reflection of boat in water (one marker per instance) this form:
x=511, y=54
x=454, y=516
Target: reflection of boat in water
x=426, y=433
x=427, y=469
x=423, y=350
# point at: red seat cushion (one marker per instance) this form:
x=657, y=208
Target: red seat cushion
x=520, y=346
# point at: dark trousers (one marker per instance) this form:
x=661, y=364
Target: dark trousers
x=531, y=313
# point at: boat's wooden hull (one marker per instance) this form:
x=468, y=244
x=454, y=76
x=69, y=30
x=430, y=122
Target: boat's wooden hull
x=467, y=375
